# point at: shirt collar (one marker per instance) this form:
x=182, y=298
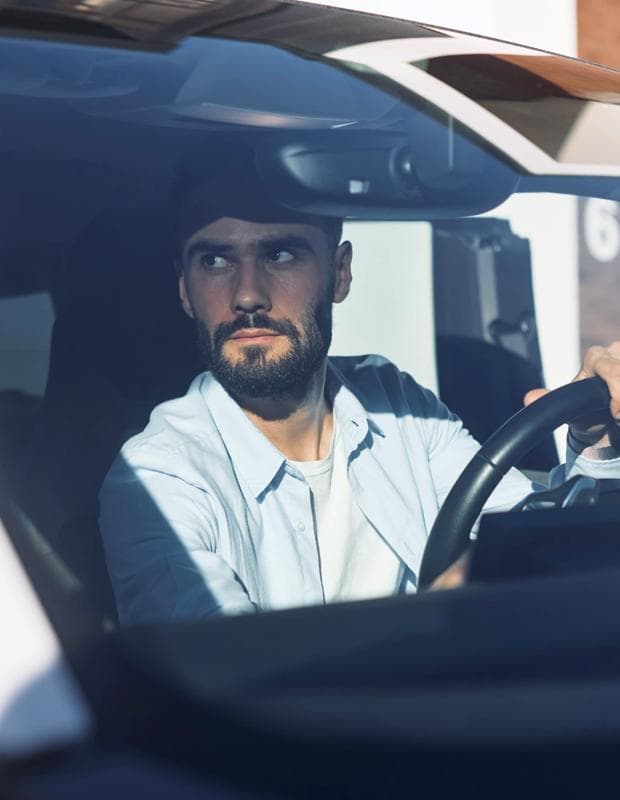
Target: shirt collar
x=354, y=421
x=252, y=454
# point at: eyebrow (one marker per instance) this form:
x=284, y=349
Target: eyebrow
x=207, y=246
x=268, y=243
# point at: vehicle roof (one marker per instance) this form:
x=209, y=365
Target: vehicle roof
x=161, y=23
x=551, y=114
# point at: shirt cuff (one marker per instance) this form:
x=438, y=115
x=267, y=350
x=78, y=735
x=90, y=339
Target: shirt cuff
x=591, y=453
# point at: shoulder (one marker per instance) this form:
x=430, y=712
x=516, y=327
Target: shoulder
x=373, y=377
x=395, y=401
x=365, y=370
x=175, y=423
x=179, y=439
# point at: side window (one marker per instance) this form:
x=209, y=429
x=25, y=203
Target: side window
x=25, y=335
x=26, y=322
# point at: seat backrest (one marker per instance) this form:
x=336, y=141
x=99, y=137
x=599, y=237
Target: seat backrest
x=120, y=345
x=487, y=348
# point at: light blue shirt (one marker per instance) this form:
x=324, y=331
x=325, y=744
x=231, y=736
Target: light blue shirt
x=201, y=514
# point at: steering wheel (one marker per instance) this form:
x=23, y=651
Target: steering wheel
x=450, y=534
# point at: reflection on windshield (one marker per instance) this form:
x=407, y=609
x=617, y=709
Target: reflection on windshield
x=276, y=324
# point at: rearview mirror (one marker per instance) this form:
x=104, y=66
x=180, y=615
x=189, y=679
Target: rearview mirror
x=429, y=171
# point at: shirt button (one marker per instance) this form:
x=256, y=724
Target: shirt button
x=301, y=527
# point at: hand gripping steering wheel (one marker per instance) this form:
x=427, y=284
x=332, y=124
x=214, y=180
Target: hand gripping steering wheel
x=450, y=534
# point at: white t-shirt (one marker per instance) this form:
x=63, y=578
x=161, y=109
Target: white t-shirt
x=356, y=562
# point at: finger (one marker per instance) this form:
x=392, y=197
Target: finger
x=455, y=575
x=604, y=362
x=533, y=395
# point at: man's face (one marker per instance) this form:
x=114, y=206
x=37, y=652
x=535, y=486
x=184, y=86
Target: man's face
x=261, y=295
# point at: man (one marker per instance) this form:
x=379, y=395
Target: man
x=284, y=478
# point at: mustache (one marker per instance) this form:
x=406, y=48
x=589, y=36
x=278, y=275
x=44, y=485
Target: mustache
x=226, y=329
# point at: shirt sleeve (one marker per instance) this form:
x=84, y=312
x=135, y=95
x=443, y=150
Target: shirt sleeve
x=587, y=461
x=159, y=536
x=451, y=447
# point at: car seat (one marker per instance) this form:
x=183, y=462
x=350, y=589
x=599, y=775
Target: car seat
x=120, y=345
x=488, y=354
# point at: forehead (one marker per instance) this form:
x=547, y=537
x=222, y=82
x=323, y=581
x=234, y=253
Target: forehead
x=234, y=232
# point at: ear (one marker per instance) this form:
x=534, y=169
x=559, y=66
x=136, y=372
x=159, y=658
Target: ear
x=187, y=306
x=342, y=261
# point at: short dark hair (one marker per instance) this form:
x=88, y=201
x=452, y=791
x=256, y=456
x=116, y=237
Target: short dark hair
x=196, y=205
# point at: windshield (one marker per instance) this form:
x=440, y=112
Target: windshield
x=209, y=247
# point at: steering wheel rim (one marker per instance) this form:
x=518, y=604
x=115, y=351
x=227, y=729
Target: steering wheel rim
x=450, y=533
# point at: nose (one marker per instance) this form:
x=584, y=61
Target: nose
x=251, y=291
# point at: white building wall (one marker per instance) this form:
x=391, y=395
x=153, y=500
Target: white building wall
x=548, y=24
x=389, y=310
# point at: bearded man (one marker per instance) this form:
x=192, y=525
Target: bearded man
x=284, y=477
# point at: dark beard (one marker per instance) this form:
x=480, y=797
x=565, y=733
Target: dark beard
x=256, y=376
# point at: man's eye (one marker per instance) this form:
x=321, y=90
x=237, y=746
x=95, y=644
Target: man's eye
x=280, y=257
x=213, y=262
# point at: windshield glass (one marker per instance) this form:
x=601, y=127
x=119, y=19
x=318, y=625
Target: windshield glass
x=528, y=92
x=187, y=233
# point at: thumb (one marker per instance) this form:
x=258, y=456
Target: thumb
x=533, y=395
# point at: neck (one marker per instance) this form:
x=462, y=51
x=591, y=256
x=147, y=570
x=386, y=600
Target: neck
x=300, y=427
